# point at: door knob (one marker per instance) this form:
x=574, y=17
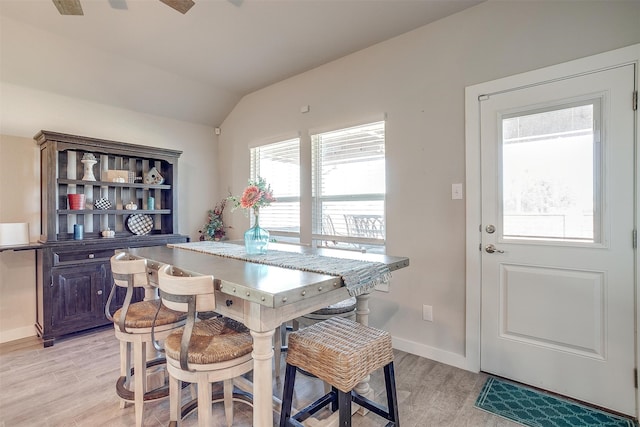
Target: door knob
x=491, y=249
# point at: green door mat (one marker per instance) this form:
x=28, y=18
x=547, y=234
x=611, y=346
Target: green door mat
x=536, y=409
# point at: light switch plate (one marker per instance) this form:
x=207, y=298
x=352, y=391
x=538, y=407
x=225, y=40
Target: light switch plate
x=456, y=191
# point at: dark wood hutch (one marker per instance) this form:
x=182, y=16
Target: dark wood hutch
x=74, y=276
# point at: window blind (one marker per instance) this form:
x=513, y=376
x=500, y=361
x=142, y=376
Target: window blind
x=279, y=165
x=349, y=185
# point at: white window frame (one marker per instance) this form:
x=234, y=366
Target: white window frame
x=255, y=172
x=340, y=240
x=308, y=203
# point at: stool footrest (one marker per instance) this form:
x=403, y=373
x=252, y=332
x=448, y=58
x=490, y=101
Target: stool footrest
x=332, y=398
x=311, y=409
x=128, y=395
x=340, y=400
x=371, y=405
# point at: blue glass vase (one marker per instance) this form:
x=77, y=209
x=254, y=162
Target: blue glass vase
x=256, y=239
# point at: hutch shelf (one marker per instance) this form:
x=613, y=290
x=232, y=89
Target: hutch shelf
x=74, y=272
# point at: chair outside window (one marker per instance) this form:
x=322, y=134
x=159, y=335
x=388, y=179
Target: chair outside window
x=371, y=226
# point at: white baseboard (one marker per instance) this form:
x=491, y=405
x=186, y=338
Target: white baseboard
x=18, y=333
x=433, y=353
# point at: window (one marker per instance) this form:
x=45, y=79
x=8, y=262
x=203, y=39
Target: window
x=550, y=173
x=346, y=180
x=348, y=186
x=279, y=164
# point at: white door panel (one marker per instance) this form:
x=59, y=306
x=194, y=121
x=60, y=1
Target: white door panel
x=525, y=289
x=557, y=163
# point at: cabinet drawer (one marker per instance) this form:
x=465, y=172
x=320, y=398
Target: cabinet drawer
x=230, y=306
x=152, y=271
x=88, y=255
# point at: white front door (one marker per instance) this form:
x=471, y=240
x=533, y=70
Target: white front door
x=557, y=171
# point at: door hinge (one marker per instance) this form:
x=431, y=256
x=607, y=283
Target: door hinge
x=483, y=97
x=635, y=377
x=635, y=101
x=634, y=237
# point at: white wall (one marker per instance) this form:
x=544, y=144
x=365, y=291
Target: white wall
x=418, y=80
x=26, y=111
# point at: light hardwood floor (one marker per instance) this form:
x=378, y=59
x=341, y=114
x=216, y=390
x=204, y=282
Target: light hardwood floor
x=73, y=384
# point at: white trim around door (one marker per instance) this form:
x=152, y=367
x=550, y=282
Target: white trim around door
x=616, y=58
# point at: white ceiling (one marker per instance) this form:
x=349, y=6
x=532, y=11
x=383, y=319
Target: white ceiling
x=144, y=56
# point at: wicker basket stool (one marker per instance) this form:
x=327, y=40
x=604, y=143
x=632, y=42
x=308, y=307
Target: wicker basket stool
x=340, y=352
x=346, y=308
x=133, y=323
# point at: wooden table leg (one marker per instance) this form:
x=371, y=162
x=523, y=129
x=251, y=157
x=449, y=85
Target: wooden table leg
x=262, y=378
x=362, y=316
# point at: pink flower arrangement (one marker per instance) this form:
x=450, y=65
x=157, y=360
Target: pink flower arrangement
x=258, y=194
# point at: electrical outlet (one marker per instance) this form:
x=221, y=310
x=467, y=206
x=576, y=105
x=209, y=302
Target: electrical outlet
x=427, y=313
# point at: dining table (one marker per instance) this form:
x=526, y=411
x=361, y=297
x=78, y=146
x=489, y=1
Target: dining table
x=264, y=294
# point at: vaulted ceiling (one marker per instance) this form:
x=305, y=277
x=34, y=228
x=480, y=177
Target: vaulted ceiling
x=144, y=56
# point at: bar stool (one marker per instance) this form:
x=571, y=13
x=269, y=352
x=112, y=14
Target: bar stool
x=133, y=323
x=204, y=351
x=340, y=352
x=346, y=309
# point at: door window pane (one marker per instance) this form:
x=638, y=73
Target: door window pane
x=549, y=177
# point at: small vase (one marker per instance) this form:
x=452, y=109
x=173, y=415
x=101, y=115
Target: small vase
x=88, y=169
x=256, y=239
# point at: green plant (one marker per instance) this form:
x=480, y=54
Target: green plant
x=214, y=228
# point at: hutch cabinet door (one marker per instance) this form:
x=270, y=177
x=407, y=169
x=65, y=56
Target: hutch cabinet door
x=77, y=297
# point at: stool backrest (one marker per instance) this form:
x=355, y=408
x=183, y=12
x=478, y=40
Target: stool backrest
x=176, y=286
x=125, y=267
x=181, y=291
x=128, y=272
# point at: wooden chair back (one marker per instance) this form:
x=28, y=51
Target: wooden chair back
x=177, y=286
x=127, y=270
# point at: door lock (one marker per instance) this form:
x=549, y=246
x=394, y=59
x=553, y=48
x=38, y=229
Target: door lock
x=490, y=228
x=491, y=249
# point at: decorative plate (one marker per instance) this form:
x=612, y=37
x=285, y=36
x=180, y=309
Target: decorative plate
x=140, y=224
x=102, y=203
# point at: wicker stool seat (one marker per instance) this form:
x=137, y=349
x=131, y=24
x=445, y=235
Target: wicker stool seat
x=133, y=324
x=214, y=340
x=342, y=353
x=141, y=315
x=346, y=309
x=341, y=307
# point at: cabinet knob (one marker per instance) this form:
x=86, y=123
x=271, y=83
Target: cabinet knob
x=100, y=292
x=91, y=256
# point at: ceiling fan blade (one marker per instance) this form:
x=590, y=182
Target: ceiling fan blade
x=181, y=6
x=69, y=7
